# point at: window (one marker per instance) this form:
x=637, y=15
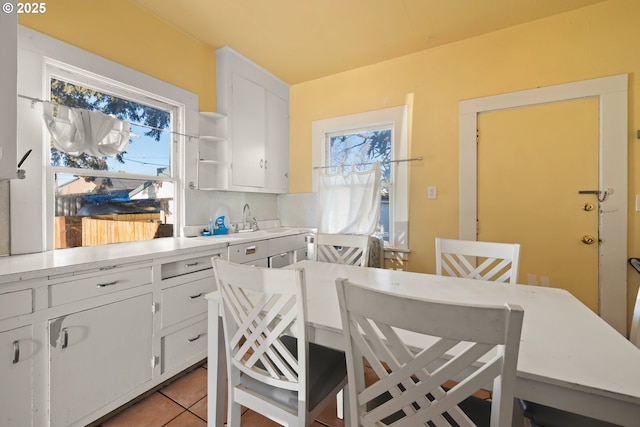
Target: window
x=126, y=197
x=358, y=149
x=361, y=139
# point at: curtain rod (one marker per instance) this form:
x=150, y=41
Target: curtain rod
x=413, y=159
x=34, y=100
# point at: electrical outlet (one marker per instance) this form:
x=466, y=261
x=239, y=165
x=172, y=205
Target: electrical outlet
x=432, y=193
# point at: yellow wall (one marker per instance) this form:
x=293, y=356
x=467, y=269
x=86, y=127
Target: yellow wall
x=597, y=41
x=122, y=32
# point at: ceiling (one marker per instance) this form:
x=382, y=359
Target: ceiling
x=301, y=40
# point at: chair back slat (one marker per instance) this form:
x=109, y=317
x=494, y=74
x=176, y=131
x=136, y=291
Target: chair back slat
x=350, y=249
x=257, y=311
x=410, y=390
x=490, y=261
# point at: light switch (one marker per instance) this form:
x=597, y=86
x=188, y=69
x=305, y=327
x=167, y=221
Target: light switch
x=432, y=193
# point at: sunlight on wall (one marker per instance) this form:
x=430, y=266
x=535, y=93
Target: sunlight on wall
x=588, y=43
x=124, y=33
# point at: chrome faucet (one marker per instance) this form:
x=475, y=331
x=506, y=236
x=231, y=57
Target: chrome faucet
x=253, y=222
x=246, y=209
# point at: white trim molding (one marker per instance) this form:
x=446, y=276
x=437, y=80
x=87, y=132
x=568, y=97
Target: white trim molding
x=613, y=99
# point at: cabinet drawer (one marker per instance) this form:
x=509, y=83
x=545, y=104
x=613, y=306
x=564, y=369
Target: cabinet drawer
x=191, y=265
x=16, y=303
x=96, y=285
x=247, y=252
x=284, y=244
x=281, y=260
x=180, y=348
x=184, y=301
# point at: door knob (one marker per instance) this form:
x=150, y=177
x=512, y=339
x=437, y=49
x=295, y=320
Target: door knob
x=588, y=239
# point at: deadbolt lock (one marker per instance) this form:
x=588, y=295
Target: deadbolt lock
x=587, y=207
x=588, y=239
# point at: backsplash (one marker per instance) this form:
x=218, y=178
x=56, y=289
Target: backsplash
x=298, y=210
x=200, y=205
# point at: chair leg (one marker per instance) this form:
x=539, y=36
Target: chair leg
x=346, y=411
x=518, y=419
x=233, y=413
x=340, y=404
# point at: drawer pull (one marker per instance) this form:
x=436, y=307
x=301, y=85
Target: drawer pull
x=250, y=250
x=193, y=264
x=103, y=285
x=65, y=338
x=16, y=352
x=195, y=296
x=195, y=338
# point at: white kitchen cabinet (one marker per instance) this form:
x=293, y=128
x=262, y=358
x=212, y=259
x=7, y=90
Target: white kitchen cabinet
x=8, y=91
x=97, y=356
x=248, y=124
x=252, y=253
x=285, y=250
x=277, y=144
x=213, y=164
x=183, y=310
x=256, y=104
x=16, y=372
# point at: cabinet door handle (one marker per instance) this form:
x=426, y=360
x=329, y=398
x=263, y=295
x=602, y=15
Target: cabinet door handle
x=16, y=352
x=195, y=296
x=250, y=250
x=265, y=164
x=102, y=285
x=193, y=264
x=261, y=163
x=65, y=338
x=194, y=338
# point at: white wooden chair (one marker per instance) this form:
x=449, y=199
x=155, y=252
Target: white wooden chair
x=634, y=335
x=498, y=261
x=286, y=379
x=409, y=390
x=351, y=249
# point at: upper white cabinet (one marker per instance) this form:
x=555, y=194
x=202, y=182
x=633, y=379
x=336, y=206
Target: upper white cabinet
x=256, y=104
x=213, y=154
x=8, y=92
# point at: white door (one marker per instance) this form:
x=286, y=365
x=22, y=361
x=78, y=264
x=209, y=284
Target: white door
x=532, y=163
x=248, y=123
x=16, y=362
x=277, y=144
x=98, y=355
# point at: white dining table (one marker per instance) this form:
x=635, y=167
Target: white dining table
x=569, y=357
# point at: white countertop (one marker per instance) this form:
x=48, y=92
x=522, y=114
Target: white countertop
x=38, y=265
x=42, y=264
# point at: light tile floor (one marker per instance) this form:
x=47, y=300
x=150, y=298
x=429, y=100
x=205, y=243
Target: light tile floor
x=183, y=403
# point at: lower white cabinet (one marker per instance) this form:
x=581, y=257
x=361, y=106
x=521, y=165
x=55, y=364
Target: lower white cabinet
x=187, y=345
x=76, y=345
x=16, y=367
x=98, y=355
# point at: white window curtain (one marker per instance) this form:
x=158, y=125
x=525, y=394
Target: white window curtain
x=76, y=131
x=349, y=204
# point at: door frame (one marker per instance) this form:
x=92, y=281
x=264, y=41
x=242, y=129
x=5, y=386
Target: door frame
x=612, y=176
